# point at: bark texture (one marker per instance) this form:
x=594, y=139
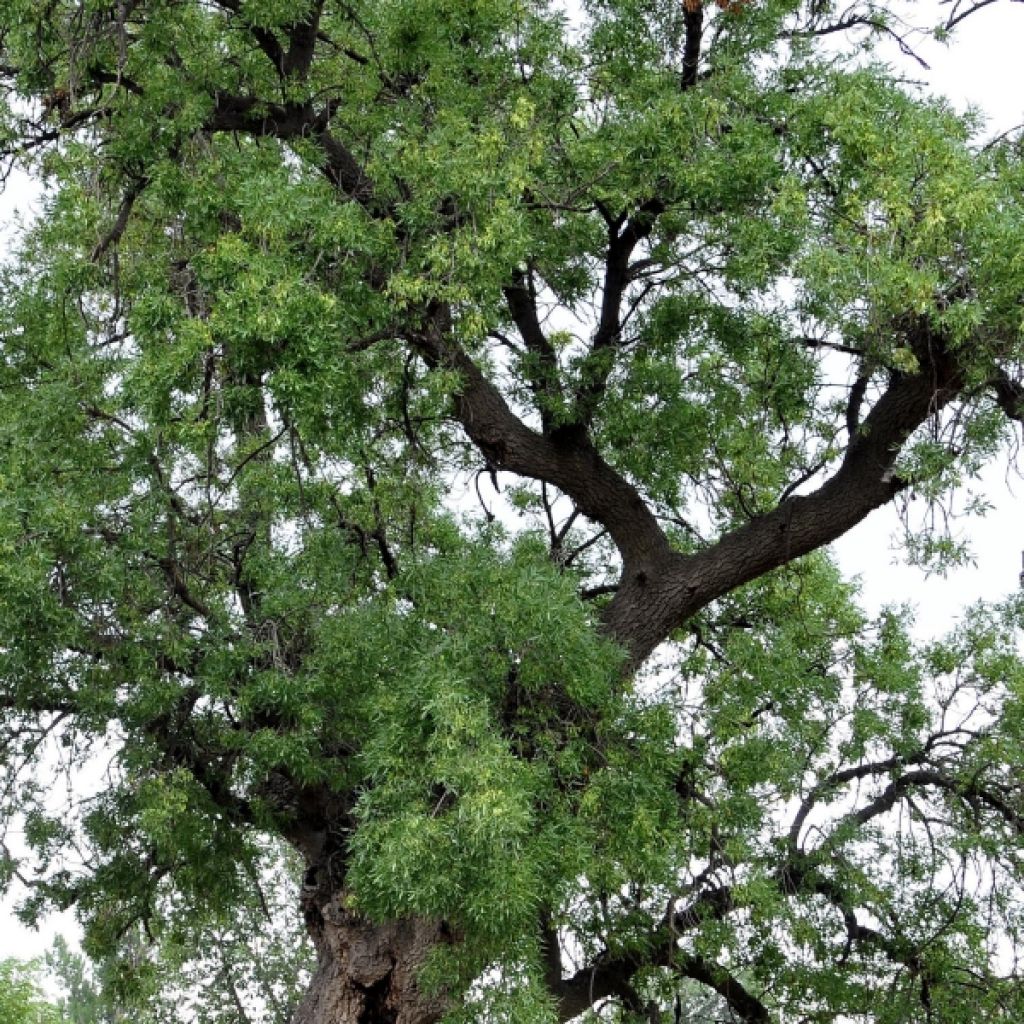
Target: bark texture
x=367, y=973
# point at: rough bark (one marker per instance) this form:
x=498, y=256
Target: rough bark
x=368, y=973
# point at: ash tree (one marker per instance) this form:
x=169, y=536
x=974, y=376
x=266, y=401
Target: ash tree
x=422, y=428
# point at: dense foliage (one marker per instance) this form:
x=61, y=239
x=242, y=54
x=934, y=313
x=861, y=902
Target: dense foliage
x=422, y=426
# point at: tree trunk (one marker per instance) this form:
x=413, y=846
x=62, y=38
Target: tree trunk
x=367, y=973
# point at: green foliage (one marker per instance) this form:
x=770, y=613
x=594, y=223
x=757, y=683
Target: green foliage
x=246, y=965
x=21, y=1001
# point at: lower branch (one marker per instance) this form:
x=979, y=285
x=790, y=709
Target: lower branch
x=1010, y=396
x=612, y=977
x=744, y=1006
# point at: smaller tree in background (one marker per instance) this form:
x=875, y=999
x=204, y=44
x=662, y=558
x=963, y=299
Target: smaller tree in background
x=251, y=967
x=83, y=1000
x=21, y=999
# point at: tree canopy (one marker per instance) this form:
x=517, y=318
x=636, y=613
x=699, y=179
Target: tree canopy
x=422, y=429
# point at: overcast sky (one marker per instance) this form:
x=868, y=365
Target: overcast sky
x=980, y=68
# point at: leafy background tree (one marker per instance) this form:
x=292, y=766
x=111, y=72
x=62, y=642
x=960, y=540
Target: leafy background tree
x=423, y=426
x=251, y=966
x=21, y=998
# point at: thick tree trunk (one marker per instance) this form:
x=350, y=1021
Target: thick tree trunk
x=367, y=973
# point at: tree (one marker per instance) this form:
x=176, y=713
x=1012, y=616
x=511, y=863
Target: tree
x=240, y=969
x=20, y=999
x=423, y=425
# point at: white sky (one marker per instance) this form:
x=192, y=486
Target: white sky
x=981, y=68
